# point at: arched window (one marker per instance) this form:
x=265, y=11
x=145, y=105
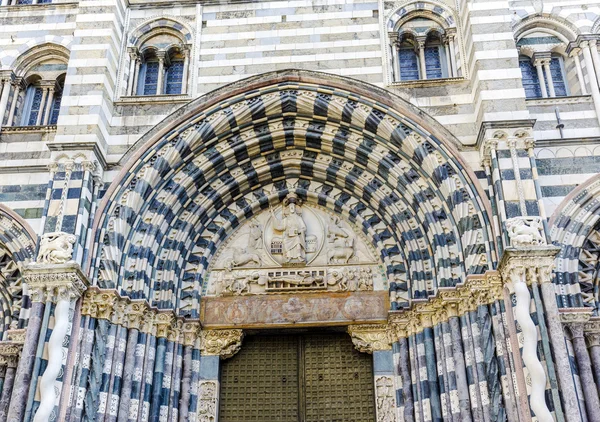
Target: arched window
x=41, y=102
x=33, y=105
x=159, y=63
x=543, y=76
x=434, y=58
x=408, y=58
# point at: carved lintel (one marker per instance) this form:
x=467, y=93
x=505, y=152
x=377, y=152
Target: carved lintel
x=371, y=337
x=223, y=343
x=575, y=315
x=55, y=281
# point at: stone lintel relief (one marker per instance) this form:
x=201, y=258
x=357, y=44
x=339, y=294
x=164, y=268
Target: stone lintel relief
x=294, y=248
x=309, y=309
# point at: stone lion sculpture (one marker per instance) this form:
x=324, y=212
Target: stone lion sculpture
x=525, y=232
x=56, y=248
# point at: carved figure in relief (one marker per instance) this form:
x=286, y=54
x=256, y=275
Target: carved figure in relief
x=384, y=390
x=56, y=248
x=293, y=231
x=525, y=231
x=207, y=402
x=343, y=248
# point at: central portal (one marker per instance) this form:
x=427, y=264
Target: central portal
x=297, y=378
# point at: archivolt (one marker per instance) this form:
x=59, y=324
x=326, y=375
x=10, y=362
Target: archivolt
x=235, y=152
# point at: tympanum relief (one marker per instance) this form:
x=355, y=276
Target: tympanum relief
x=294, y=247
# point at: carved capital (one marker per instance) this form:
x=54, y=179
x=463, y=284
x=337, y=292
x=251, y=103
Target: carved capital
x=164, y=322
x=224, y=343
x=55, y=281
x=190, y=332
x=371, y=337
x=530, y=265
x=135, y=313
x=592, y=339
x=9, y=353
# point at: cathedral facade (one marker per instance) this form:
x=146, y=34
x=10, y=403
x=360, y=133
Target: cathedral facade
x=299, y=211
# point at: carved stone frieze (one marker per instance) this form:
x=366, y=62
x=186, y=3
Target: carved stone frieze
x=371, y=337
x=223, y=343
x=207, y=401
x=55, y=281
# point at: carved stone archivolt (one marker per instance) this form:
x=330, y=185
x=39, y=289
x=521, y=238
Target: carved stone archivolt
x=54, y=281
x=294, y=248
x=223, y=343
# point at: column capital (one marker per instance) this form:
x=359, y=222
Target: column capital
x=9, y=353
x=421, y=40
x=223, y=343
x=133, y=52
x=55, y=282
x=394, y=36
x=531, y=264
x=368, y=338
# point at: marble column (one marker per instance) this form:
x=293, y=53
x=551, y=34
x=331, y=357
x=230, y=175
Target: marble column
x=38, y=120
x=133, y=64
x=9, y=356
x=541, y=79
x=13, y=105
x=124, y=403
x=589, y=65
x=593, y=344
x=580, y=78
x=546, y=65
x=451, y=43
x=404, y=371
x=4, y=99
x=422, y=66
x=24, y=374
x=593, y=45
x=462, y=385
x=590, y=391
x=186, y=70
x=161, y=73
x=48, y=109
x=448, y=60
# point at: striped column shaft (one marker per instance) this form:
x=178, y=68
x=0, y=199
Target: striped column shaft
x=116, y=379
x=146, y=393
x=441, y=372
x=195, y=379
x=107, y=360
x=125, y=394
x=167, y=382
x=450, y=371
x=407, y=385
x=462, y=383
x=488, y=347
x=415, y=379
x=80, y=380
x=137, y=377
x=176, y=385
x=184, y=404
x=471, y=366
x=157, y=380
x=481, y=390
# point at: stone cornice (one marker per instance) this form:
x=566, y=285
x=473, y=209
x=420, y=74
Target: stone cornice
x=449, y=302
x=55, y=281
x=581, y=38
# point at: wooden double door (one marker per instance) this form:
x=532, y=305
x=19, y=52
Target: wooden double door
x=297, y=378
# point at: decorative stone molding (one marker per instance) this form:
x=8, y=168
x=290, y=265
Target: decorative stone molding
x=575, y=315
x=449, y=302
x=55, y=281
x=371, y=337
x=208, y=401
x=107, y=304
x=224, y=343
x=385, y=398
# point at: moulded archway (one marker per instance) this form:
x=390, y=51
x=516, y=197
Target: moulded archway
x=337, y=143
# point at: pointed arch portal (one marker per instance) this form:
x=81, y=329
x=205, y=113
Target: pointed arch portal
x=387, y=169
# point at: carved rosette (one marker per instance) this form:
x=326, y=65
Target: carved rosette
x=55, y=282
x=371, y=337
x=224, y=343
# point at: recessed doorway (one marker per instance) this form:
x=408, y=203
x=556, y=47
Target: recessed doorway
x=316, y=377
